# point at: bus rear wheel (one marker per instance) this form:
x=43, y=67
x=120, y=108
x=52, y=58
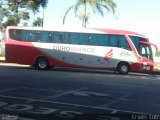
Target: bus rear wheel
x=123, y=68
x=42, y=63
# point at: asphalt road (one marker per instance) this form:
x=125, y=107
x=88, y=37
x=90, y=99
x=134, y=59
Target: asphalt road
x=76, y=94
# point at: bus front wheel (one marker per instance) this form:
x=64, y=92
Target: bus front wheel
x=123, y=68
x=42, y=63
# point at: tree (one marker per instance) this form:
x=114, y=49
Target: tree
x=44, y=5
x=96, y=5
x=157, y=54
x=20, y=10
x=3, y=12
x=38, y=22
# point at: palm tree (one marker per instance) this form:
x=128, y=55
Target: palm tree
x=39, y=3
x=38, y=22
x=43, y=5
x=96, y=5
x=20, y=10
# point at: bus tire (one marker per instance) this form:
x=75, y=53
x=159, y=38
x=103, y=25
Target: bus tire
x=42, y=63
x=123, y=68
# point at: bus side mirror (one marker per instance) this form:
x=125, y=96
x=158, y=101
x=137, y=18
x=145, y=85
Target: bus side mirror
x=148, y=43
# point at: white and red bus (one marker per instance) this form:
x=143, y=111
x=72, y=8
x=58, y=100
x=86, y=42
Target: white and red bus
x=116, y=50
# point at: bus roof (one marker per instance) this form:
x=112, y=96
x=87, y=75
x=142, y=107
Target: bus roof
x=81, y=30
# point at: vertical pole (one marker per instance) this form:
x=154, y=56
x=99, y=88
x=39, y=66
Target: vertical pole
x=43, y=17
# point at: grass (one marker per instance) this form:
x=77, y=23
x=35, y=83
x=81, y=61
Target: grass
x=156, y=70
x=2, y=55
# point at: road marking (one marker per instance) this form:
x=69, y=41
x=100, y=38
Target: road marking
x=88, y=93
x=6, y=90
x=70, y=104
x=102, y=117
x=117, y=100
x=61, y=94
x=157, y=76
x=48, y=90
x=114, y=111
x=65, y=93
x=22, y=118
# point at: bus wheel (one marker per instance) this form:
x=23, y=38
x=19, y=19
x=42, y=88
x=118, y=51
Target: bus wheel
x=42, y=64
x=123, y=68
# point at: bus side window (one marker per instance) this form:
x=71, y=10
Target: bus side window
x=135, y=41
x=32, y=36
x=77, y=37
x=19, y=35
x=49, y=37
x=113, y=41
x=123, y=43
x=38, y=36
x=94, y=40
x=86, y=36
x=69, y=38
x=83, y=39
x=12, y=33
x=106, y=39
x=25, y=35
x=55, y=37
x=99, y=40
x=80, y=38
x=89, y=40
x=16, y=35
x=103, y=40
x=74, y=38
x=64, y=37
x=44, y=36
x=60, y=37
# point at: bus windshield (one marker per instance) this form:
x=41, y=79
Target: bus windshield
x=142, y=46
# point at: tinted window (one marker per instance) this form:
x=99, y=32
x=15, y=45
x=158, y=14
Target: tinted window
x=118, y=41
x=59, y=37
x=123, y=43
x=142, y=48
x=25, y=35
x=15, y=34
x=99, y=40
x=114, y=41
x=136, y=41
x=44, y=36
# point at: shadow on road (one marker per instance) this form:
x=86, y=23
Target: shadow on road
x=79, y=70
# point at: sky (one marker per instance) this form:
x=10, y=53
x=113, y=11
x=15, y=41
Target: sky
x=142, y=16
